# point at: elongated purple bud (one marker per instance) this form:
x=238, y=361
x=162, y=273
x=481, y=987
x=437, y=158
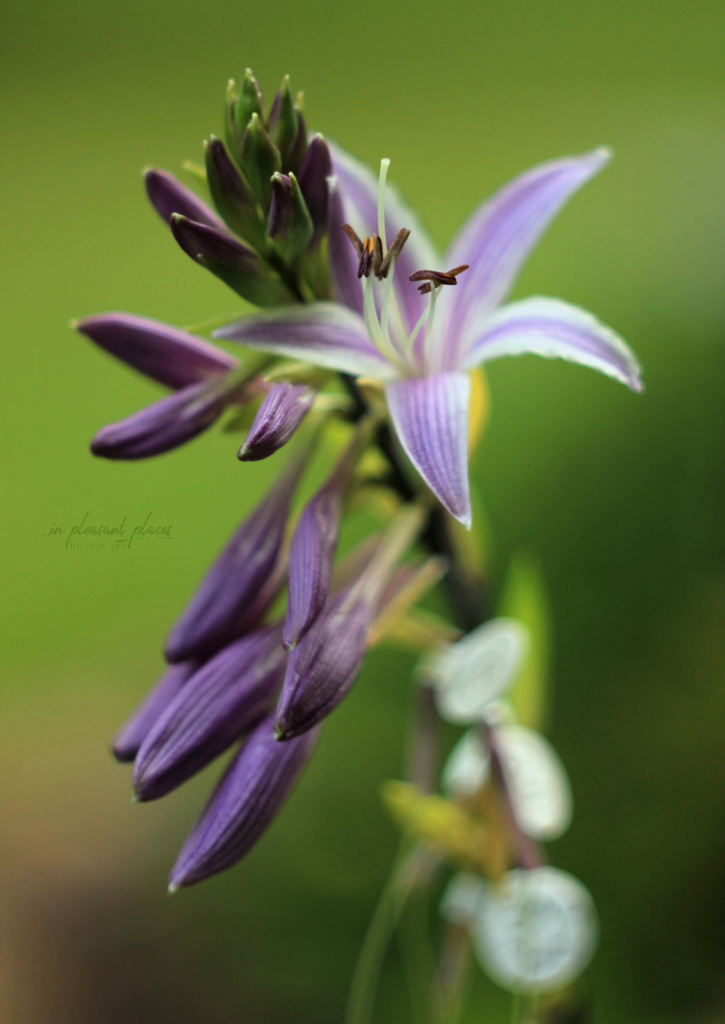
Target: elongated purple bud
x=223, y=701
x=169, y=196
x=129, y=739
x=280, y=208
x=217, y=612
x=164, y=353
x=163, y=426
x=314, y=544
x=322, y=669
x=316, y=169
x=232, y=261
x=202, y=242
x=278, y=417
x=245, y=803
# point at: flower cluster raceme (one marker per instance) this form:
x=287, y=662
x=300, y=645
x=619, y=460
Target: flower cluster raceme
x=533, y=927
x=362, y=333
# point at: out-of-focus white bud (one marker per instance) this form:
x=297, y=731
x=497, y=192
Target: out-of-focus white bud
x=461, y=900
x=478, y=669
x=536, y=930
x=537, y=781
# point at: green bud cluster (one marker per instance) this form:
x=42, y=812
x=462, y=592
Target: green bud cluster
x=253, y=176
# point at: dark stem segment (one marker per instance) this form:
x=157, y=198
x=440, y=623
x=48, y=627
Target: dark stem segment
x=423, y=755
x=468, y=597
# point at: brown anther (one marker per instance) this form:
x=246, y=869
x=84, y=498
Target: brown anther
x=393, y=252
x=366, y=257
x=436, y=278
x=377, y=255
x=353, y=238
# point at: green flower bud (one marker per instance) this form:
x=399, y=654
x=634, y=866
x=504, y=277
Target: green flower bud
x=232, y=195
x=284, y=123
x=290, y=223
x=250, y=102
x=259, y=160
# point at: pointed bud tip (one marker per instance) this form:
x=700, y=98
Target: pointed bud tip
x=173, y=887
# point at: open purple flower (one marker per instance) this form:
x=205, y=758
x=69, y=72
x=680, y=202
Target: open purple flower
x=386, y=325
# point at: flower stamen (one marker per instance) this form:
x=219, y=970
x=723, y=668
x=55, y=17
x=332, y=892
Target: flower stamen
x=436, y=277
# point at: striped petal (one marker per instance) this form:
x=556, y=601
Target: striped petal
x=430, y=416
x=555, y=330
x=498, y=237
x=324, y=333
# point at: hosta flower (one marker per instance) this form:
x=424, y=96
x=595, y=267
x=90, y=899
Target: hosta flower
x=421, y=339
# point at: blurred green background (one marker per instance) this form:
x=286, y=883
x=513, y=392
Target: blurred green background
x=621, y=496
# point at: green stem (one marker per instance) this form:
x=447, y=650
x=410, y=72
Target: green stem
x=372, y=954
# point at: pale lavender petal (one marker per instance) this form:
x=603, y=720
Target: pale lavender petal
x=346, y=287
x=245, y=803
x=165, y=425
x=556, y=330
x=129, y=739
x=497, y=238
x=430, y=416
x=315, y=170
x=278, y=417
x=169, y=196
x=221, y=702
x=359, y=193
x=324, y=333
x=168, y=355
x=219, y=610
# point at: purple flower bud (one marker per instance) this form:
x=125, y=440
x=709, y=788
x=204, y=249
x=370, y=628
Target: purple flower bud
x=278, y=417
x=314, y=545
x=316, y=169
x=169, y=196
x=225, y=699
x=322, y=669
x=166, y=424
x=129, y=739
x=219, y=610
x=234, y=263
x=202, y=242
x=280, y=207
x=164, y=353
x=246, y=801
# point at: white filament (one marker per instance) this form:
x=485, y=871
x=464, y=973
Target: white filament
x=384, y=164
